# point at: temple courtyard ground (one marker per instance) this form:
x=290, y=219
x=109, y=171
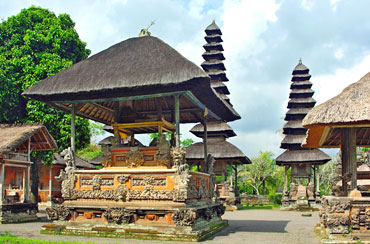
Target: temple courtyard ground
x=245, y=226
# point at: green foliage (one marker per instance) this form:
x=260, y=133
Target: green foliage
x=275, y=197
x=329, y=176
x=259, y=174
x=36, y=44
x=90, y=152
x=184, y=143
x=96, y=129
x=9, y=239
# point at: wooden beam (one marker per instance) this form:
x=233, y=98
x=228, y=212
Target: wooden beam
x=349, y=164
x=101, y=107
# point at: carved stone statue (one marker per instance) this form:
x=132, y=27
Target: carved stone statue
x=163, y=154
x=134, y=158
x=69, y=158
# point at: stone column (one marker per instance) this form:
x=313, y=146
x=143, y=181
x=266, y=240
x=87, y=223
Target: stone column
x=286, y=180
x=27, y=195
x=50, y=185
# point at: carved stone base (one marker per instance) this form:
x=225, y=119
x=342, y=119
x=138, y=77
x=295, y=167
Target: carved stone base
x=182, y=224
x=18, y=212
x=299, y=205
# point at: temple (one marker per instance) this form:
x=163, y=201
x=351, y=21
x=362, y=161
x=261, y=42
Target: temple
x=140, y=85
x=16, y=144
x=227, y=156
x=304, y=190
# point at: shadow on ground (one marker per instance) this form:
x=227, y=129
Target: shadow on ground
x=270, y=226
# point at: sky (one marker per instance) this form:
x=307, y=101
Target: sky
x=263, y=41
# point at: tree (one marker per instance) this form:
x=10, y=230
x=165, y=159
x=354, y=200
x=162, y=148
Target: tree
x=256, y=174
x=36, y=44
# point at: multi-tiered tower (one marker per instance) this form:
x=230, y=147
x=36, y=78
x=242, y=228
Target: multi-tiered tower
x=226, y=154
x=301, y=160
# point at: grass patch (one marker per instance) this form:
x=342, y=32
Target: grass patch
x=268, y=206
x=10, y=239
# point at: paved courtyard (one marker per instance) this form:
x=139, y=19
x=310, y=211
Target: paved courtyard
x=245, y=226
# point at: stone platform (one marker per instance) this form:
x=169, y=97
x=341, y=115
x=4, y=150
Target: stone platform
x=18, y=212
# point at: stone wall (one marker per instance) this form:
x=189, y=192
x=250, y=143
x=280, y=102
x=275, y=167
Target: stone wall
x=254, y=199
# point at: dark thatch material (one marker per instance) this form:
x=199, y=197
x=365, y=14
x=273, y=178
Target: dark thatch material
x=96, y=161
x=213, y=128
x=220, y=87
x=80, y=163
x=15, y=137
x=313, y=156
x=134, y=67
x=300, y=103
x=213, y=46
x=213, y=29
x=351, y=108
x=221, y=150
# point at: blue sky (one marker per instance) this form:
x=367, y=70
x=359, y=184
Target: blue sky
x=263, y=41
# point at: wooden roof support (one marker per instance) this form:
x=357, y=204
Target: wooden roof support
x=349, y=165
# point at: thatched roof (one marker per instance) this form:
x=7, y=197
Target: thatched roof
x=137, y=67
x=313, y=156
x=221, y=150
x=213, y=29
x=14, y=137
x=213, y=129
x=350, y=108
x=80, y=163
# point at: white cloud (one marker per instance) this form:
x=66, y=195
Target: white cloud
x=330, y=85
x=339, y=53
x=308, y=4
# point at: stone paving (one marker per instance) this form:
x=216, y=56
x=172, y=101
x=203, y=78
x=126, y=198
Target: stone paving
x=245, y=226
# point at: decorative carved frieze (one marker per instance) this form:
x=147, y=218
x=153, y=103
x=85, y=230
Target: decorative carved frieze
x=122, y=178
x=58, y=212
x=118, y=215
x=134, y=158
x=184, y=217
x=87, y=181
x=149, y=181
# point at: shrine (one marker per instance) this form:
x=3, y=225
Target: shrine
x=140, y=85
x=17, y=141
x=304, y=187
x=227, y=156
x=344, y=122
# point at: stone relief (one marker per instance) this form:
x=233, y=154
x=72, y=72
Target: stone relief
x=149, y=180
x=182, y=176
x=69, y=158
x=134, y=158
x=68, y=183
x=107, y=156
x=163, y=156
x=58, y=212
x=122, y=178
x=184, y=217
x=117, y=215
x=207, y=213
x=149, y=194
x=96, y=180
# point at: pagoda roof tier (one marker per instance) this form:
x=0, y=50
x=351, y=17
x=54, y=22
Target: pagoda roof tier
x=213, y=46
x=300, y=69
x=301, y=85
x=292, y=141
x=213, y=129
x=216, y=54
x=306, y=102
x=296, y=113
x=220, y=87
x=301, y=93
x=294, y=127
x=221, y=150
x=312, y=156
x=213, y=38
x=213, y=65
x=218, y=75
x=213, y=29
x=301, y=77
x=137, y=74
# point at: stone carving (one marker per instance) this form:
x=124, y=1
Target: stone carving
x=293, y=191
x=122, y=178
x=96, y=183
x=117, y=215
x=207, y=213
x=68, y=184
x=182, y=176
x=220, y=210
x=178, y=157
x=184, y=217
x=212, y=181
x=149, y=194
x=163, y=156
x=338, y=206
x=96, y=179
x=134, y=158
x=107, y=156
x=203, y=188
x=149, y=180
x=58, y=212
x=310, y=191
x=69, y=158
x=121, y=193
x=192, y=189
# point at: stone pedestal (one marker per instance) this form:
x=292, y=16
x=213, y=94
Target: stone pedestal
x=18, y=212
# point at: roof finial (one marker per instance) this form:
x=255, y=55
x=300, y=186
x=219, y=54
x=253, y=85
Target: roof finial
x=146, y=32
x=300, y=61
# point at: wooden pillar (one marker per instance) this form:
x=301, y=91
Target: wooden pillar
x=286, y=179
x=348, y=149
x=2, y=183
x=177, y=119
x=73, y=128
x=28, y=196
x=51, y=184
x=317, y=180
x=205, y=144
